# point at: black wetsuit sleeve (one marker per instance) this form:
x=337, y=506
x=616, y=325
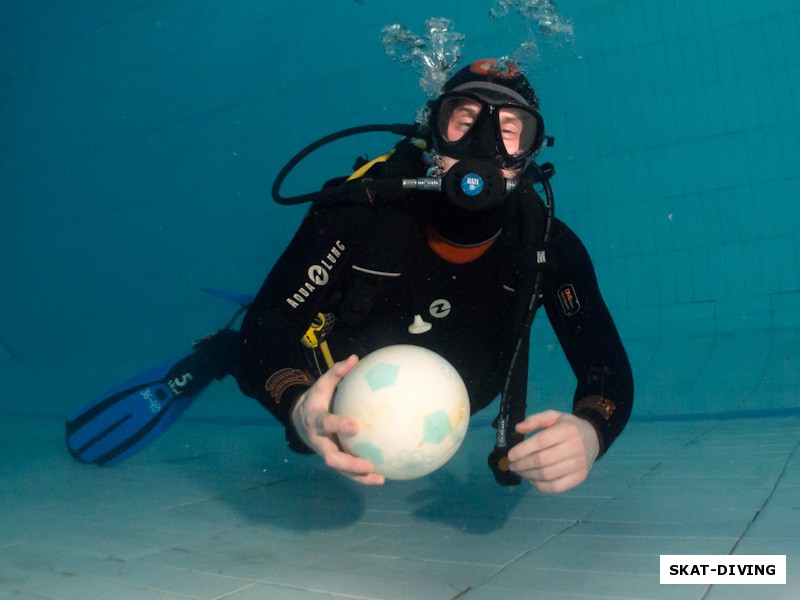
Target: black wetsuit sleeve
x=588, y=336
x=273, y=365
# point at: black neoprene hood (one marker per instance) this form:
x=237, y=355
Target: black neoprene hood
x=497, y=74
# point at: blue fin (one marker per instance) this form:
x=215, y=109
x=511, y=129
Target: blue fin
x=243, y=300
x=133, y=414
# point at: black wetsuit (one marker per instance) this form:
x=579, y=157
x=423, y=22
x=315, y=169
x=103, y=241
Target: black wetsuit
x=372, y=268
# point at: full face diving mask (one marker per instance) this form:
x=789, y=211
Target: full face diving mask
x=468, y=125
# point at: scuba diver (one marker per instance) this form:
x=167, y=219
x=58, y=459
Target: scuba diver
x=444, y=243
x=459, y=271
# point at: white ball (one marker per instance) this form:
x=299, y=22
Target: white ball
x=412, y=409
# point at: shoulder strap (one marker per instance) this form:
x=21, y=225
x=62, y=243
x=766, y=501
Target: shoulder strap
x=528, y=218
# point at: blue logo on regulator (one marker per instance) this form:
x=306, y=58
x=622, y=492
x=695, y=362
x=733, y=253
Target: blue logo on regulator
x=472, y=184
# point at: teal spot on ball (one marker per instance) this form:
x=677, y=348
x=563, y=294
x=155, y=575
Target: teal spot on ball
x=382, y=375
x=436, y=427
x=369, y=451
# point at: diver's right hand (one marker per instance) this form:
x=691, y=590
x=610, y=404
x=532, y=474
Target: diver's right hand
x=319, y=428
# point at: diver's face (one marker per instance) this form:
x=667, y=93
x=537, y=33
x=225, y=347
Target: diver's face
x=463, y=118
x=510, y=130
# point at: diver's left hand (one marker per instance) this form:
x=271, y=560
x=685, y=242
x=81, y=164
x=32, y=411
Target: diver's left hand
x=559, y=456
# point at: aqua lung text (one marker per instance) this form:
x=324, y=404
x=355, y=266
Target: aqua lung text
x=318, y=276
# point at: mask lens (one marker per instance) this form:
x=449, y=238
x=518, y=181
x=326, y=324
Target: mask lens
x=469, y=126
x=457, y=115
x=517, y=128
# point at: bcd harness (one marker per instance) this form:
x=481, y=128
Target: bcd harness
x=532, y=220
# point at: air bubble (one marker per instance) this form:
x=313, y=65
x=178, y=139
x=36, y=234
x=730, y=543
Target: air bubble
x=433, y=56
